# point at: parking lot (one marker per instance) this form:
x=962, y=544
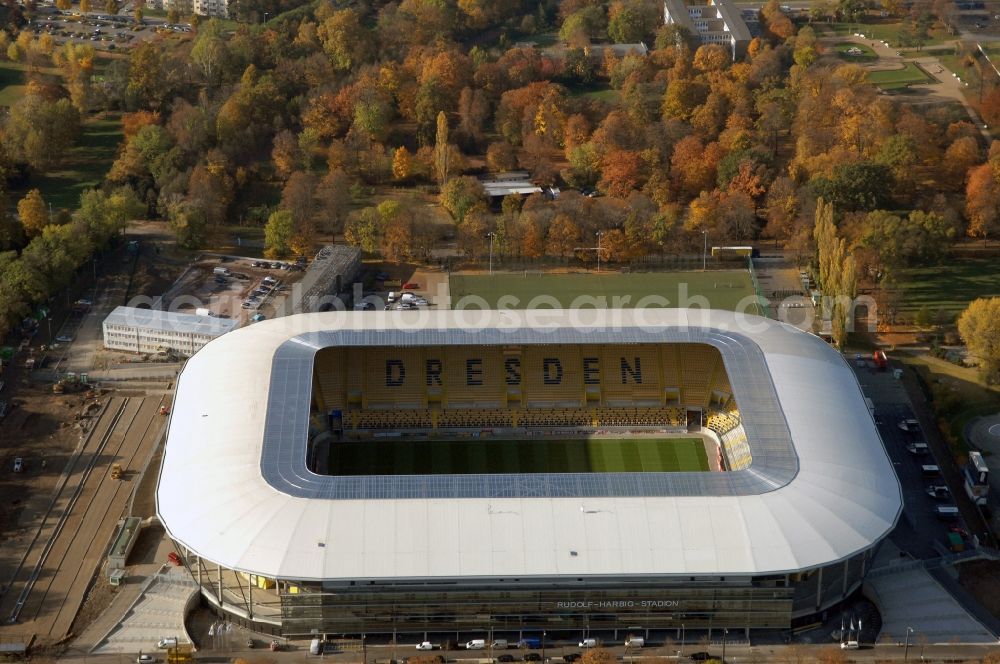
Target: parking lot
x=936, y=533
x=103, y=31
x=234, y=287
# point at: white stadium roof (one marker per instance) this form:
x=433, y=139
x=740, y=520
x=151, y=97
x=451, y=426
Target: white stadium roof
x=234, y=489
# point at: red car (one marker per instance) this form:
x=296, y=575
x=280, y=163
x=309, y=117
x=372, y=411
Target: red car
x=411, y=286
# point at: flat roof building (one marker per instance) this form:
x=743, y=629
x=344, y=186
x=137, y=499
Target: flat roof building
x=717, y=22
x=137, y=330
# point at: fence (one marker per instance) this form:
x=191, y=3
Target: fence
x=765, y=307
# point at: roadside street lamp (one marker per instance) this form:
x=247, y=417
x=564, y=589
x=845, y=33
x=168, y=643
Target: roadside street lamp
x=906, y=644
x=704, y=251
x=679, y=652
x=725, y=631
x=543, y=646
x=492, y=236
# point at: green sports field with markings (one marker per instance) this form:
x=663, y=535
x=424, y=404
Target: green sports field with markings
x=731, y=290
x=477, y=456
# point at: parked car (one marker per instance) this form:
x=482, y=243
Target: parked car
x=65, y=338
x=701, y=656
x=571, y=657
x=144, y=659
x=425, y=645
x=18, y=464
x=910, y=426
x=505, y=658
x=410, y=285
x=533, y=657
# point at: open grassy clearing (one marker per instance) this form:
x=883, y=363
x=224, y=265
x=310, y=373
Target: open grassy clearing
x=949, y=287
x=892, y=79
x=731, y=290
x=480, y=456
x=85, y=166
x=885, y=31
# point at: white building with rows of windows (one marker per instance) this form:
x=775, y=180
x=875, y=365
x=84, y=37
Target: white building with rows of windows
x=153, y=331
x=714, y=22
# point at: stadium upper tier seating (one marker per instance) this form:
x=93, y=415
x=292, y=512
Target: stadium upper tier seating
x=538, y=385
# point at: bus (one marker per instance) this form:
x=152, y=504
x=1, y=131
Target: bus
x=977, y=478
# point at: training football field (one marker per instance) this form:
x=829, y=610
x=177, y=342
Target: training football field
x=730, y=289
x=477, y=456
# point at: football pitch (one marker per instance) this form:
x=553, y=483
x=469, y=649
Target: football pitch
x=478, y=456
x=731, y=290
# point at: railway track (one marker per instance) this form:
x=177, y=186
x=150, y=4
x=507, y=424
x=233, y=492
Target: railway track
x=63, y=512
x=64, y=567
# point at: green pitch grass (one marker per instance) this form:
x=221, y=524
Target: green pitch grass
x=731, y=290
x=485, y=455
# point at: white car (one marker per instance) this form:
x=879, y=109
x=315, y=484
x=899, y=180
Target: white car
x=144, y=659
x=18, y=464
x=425, y=645
x=910, y=426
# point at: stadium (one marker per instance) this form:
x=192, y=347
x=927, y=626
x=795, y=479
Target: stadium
x=518, y=471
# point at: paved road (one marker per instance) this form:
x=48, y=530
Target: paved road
x=45, y=592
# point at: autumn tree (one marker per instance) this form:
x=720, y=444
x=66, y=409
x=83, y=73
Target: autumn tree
x=982, y=203
x=77, y=64
x=402, y=163
x=960, y=156
x=500, y=157
x=563, y=237
x=397, y=231
x=441, y=149
x=333, y=201
x=598, y=656
x=979, y=326
x=33, y=213
x=778, y=26
x=286, y=154
x=622, y=172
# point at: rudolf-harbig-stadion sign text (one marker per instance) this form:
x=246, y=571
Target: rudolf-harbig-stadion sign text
x=621, y=604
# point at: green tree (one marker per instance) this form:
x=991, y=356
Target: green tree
x=979, y=327
x=461, y=194
x=173, y=16
x=189, y=224
x=38, y=131
x=362, y=230
x=856, y=186
x=344, y=39
x=210, y=54
x=278, y=234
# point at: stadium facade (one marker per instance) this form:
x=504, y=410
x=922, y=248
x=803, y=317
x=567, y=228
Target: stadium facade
x=280, y=541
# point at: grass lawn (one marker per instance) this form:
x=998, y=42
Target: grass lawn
x=85, y=166
x=866, y=54
x=887, y=32
x=898, y=78
x=949, y=287
x=483, y=456
x=14, y=80
x=731, y=290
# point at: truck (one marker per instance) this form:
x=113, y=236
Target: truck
x=224, y=271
